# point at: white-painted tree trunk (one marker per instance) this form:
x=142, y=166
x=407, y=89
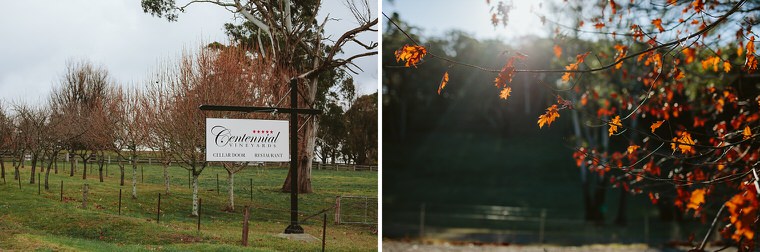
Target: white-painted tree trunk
x=231, y=182
x=134, y=179
x=195, y=195
x=166, y=178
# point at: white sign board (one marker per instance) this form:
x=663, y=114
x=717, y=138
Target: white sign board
x=240, y=140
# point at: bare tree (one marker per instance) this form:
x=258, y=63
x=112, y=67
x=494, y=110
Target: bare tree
x=127, y=128
x=6, y=130
x=32, y=123
x=79, y=96
x=289, y=33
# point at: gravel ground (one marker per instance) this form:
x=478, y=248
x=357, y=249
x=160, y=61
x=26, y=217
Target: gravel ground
x=398, y=246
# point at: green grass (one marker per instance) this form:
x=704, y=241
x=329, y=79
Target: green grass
x=42, y=222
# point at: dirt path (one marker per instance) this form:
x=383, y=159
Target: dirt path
x=397, y=246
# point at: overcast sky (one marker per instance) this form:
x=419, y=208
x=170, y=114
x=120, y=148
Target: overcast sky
x=473, y=17
x=39, y=37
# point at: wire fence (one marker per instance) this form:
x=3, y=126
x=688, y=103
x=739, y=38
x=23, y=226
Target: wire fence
x=356, y=210
x=522, y=225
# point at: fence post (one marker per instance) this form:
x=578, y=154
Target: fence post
x=543, y=223
x=217, y=184
x=646, y=228
x=422, y=220
x=119, y=201
x=337, y=210
x=324, y=231
x=38, y=183
x=61, y=190
x=251, y=191
x=366, y=206
x=245, y=227
x=158, y=210
x=142, y=174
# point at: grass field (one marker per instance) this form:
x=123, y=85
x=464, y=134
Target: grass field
x=29, y=221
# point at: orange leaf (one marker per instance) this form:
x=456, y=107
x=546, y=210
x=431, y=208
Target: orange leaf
x=690, y=53
x=751, y=64
x=632, y=148
x=557, y=51
x=621, y=52
x=683, y=143
x=599, y=25
x=656, y=125
x=658, y=23
x=507, y=72
x=680, y=74
x=746, y=133
x=742, y=211
x=551, y=114
x=505, y=93
x=697, y=199
x=614, y=124
x=410, y=54
x=751, y=45
x=698, y=5
x=726, y=66
x=573, y=66
x=444, y=80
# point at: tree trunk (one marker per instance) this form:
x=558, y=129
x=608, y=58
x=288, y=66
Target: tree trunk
x=101, y=163
x=34, y=168
x=621, y=219
x=47, y=173
x=121, y=169
x=55, y=163
x=134, y=178
x=16, y=172
x=71, y=161
x=166, y=177
x=2, y=167
x=84, y=168
x=195, y=194
x=231, y=182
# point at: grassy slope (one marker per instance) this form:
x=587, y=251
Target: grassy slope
x=29, y=221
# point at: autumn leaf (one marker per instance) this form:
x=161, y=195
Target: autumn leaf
x=410, y=54
x=551, y=114
x=680, y=74
x=690, y=54
x=507, y=72
x=621, y=52
x=557, y=51
x=599, y=25
x=505, y=93
x=746, y=133
x=698, y=5
x=573, y=66
x=444, y=80
x=614, y=124
x=751, y=64
x=613, y=6
x=751, y=45
x=726, y=66
x=632, y=148
x=683, y=143
x=697, y=199
x=742, y=211
x=658, y=23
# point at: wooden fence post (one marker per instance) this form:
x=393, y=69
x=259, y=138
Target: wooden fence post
x=245, y=227
x=422, y=220
x=324, y=231
x=38, y=184
x=337, y=210
x=119, y=201
x=251, y=191
x=61, y=190
x=217, y=184
x=158, y=210
x=142, y=174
